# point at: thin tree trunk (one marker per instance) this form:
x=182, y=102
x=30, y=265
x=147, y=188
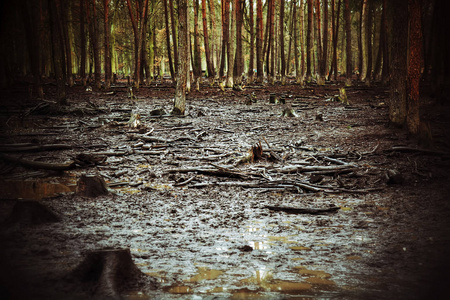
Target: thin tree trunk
x=180, y=92
x=386, y=68
x=197, y=54
x=95, y=46
x=251, y=65
x=64, y=25
x=302, y=39
x=107, y=46
x=225, y=35
x=325, y=41
x=291, y=29
x=230, y=50
x=174, y=35
x=214, y=46
x=239, y=59
x=348, y=38
x=57, y=53
x=82, y=44
x=283, y=58
x=209, y=64
x=319, y=42
x=259, y=37
x=169, y=52
x=369, y=42
x=363, y=4
x=309, y=41
x=298, y=73
x=272, y=43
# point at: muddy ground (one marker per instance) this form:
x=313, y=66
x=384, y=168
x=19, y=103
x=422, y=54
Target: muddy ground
x=191, y=204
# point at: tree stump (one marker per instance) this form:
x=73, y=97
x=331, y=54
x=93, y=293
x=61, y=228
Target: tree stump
x=30, y=213
x=91, y=186
x=110, y=273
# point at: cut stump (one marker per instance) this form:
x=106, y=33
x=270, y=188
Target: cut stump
x=110, y=273
x=91, y=186
x=30, y=213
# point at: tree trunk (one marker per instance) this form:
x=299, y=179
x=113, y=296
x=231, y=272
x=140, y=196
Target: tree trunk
x=272, y=43
x=251, y=66
x=291, y=29
x=282, y=57
x=238, y=69
x=169, y=53
x=298, y=73
x=259, y=39
x=323, y=66
x=95, y=47
x=107, y=61
x=397, y=100
x=230, y=50
x=335, y=30
x=386, y=67
x=362, y=13
x=197, y=53
x=309, y=41
x=174, y=35
x=319, y=43
x=64, y=25
x=57, y=53
x=212, y=41
x=209, y=64
x=225, y=35
x=414, y=65
x=348, y=47
x=180, y=92
x=369, y=42
x=82, y=44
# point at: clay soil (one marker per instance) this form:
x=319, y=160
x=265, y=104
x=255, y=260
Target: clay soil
x=189, y=198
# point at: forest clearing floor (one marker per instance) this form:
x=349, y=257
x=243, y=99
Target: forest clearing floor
x=195, y=211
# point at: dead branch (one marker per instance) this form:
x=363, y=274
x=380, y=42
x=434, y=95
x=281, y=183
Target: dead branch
x=311, y=211
x=38, y=164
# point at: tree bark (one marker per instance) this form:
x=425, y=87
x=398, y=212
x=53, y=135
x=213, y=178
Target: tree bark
x=107, y=59
x=197, y=55
x=348, y=47
x=298, y=73
x=251, y=65
x=209, y=64
x=282, y=56
x=319, y=43
x=169, y=52
x=95, y=47
x=323, y=66
x=82, y=43
x=259, y=39
x=369, y=42
x=362, y=13
x=335, y=21
x=230, y=50
x=397, y=101
x=414, y=65
x=238, y=69
x=309, y=41
x=225, y=35
x=174, y=35
x=180, y=92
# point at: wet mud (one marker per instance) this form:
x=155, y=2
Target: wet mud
x=188, y=203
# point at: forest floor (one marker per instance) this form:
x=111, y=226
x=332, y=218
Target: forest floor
x=198, y=213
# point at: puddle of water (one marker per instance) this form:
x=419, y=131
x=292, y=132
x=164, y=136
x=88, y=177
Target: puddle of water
x=205, y=274
x=35, y=189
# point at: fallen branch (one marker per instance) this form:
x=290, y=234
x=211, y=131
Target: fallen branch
x=38, y=164
x=311, y=211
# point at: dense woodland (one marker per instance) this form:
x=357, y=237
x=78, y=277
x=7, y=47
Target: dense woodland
x=96, y=43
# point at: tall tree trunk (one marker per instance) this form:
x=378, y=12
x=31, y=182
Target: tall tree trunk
x=107, y=30
x=230, y=52
x=209, y=64
x=302, y=40
x=369, y=42
x=272, y=43
x=283, y=58
x=309, y=41
x=174, y=35
x=212, y=42
x=169, y=52
x=95, y=47
x=251, y=65
x=325, y=41
x=197, y=54
x=239, y=59
x=62, y=11
x=298, y=72
x=362, y=13
x=225, y=35
x=259, y=38
x=318, y=39
x=291, y=29
x=398, y=95
x=414, y=65
x=335, y=30
x=386, y=67
x=180, y=92
x=82, y=44
x=348, y=47
x=58, y=53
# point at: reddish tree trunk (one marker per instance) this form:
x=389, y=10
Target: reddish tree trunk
x=309, y=41
x=348, y=47
x=169, y=53
x=252, y=42
x=209, y=64
x=259, y=37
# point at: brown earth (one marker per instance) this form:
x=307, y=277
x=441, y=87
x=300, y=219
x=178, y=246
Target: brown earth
x=191, y=206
